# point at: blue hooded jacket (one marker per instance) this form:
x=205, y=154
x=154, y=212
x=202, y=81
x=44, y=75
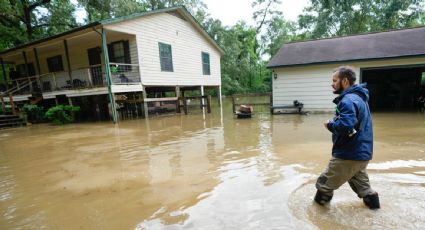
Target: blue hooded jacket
x=352, y=134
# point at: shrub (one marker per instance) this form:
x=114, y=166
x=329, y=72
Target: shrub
x=34, y=112
x=62, y=114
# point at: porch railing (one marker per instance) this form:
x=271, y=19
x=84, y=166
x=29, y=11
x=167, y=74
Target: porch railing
x=124, y=73
x=81, y=78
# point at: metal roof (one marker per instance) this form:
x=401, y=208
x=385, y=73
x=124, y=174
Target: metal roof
x=180, y=9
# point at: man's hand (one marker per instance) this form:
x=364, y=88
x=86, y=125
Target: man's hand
x=326, y=124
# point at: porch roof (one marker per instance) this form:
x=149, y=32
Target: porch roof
x=181, y=9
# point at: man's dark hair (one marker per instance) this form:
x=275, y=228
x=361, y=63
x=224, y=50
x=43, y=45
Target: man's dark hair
x=346, y=72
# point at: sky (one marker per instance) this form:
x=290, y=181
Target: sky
x=236, y=10
x=229, y=12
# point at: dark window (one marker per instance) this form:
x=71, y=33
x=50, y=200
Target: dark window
x=166, y=57
x=22, y=72
x=206, y=63
x=119, y=52
x=55, y=63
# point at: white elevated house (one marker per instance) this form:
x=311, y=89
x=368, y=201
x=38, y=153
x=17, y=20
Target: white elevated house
x=392, y=63
x=154, y=51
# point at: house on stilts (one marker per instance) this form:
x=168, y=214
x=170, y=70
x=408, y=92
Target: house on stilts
x=137, y=62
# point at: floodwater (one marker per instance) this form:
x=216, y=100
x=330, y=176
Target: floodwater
x=204, y=172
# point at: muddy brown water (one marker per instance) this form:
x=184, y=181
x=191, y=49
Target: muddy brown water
x=204, y=172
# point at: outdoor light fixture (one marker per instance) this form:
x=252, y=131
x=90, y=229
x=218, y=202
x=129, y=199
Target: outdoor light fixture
x=275, y=76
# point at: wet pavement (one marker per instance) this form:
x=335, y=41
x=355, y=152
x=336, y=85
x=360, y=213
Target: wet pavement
x=204, y=172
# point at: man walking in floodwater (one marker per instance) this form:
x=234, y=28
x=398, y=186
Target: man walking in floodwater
x=352, y=138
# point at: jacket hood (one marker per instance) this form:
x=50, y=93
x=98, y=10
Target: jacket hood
x=359, y=89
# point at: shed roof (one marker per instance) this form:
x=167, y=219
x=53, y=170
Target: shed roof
x=382, y=45
x=180, y=9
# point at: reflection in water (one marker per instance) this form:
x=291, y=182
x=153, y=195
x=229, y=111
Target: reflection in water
x=203, y=171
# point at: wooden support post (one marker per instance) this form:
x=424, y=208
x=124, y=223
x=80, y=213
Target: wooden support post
x=3, y=106
x=65, y=44
x=202, y=97
x=4, y=74
x=24, y=54
x=17, y=85
x=184, y=105
x=220, y=100
x=178, y=99
x=135, y=105
x=56, y=101
x=178, y=110
x=145, y=103
x=37, y=62
x=233, y=104
x=70, y=101
x=27, y=73
x=271, y=103
x=209, y=103
x=12, y=104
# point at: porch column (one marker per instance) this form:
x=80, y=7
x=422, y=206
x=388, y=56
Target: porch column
x=70, y=101
x=4, y=74
x=108, y=76
x=202, y=100
x=65, y=44
x=37, y=65
x=24, y=54
x=26, y=70
x=12, y=104
x=220, y=100
x=145, y=103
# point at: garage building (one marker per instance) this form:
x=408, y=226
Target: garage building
x=392, y=63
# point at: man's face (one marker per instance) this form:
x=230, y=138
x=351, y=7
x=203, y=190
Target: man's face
x=337, y=84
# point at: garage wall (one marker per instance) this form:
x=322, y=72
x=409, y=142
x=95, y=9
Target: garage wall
x=311, y=85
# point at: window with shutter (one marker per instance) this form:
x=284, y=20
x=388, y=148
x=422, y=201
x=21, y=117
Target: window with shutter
x=166, y=57
x=55, y=63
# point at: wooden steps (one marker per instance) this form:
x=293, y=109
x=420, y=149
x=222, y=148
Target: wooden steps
x=10, y=121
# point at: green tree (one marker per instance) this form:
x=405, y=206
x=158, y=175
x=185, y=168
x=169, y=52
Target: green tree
x=325, y=18
x=26, y=20
x=278, y=31
x=97, y=9
x=264, y=10
x=105, y=9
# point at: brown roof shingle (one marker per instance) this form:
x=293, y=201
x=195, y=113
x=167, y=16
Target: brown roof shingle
x=389, y=44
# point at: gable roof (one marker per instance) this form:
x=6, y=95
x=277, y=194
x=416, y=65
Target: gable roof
x=382, y=45
x=180, y=9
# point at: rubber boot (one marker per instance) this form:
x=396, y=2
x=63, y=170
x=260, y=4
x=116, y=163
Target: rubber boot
x=322, y=198
x=372, y=201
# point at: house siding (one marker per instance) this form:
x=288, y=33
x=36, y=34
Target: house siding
x=311, y=84
x=187, y=44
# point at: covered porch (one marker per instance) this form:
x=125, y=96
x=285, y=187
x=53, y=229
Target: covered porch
x=73, y=63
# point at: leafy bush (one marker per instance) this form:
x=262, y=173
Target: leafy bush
x=62, y=114
x=34, y=112
x=6, y=111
